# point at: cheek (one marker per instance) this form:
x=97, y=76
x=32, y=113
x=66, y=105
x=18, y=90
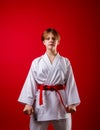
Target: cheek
x=45, y=43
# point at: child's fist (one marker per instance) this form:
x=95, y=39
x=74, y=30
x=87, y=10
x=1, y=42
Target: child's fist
x=71, y=109
x=28, y=109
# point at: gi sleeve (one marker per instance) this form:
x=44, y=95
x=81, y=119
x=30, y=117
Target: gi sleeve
x=27, y=95
x=71, y=88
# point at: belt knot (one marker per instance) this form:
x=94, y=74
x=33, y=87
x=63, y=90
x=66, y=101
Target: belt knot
x=51, y=88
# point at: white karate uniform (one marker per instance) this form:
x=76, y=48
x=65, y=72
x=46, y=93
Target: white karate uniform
x=44, y=73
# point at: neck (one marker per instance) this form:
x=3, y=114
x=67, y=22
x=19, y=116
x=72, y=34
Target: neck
x=51, y=53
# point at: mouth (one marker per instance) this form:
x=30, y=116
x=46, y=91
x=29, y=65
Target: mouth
x=51, y=43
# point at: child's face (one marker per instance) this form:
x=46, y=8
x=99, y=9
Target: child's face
x=51, y=41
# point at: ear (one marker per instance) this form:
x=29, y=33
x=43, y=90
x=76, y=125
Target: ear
x=58, y=42
x=44, y=42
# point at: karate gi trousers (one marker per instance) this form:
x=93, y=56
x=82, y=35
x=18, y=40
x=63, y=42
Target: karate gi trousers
x=62, y=124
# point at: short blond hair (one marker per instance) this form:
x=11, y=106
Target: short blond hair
x=50, y=30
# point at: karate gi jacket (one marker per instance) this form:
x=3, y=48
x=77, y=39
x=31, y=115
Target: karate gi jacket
x=44, y=73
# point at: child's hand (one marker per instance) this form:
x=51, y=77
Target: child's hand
x=71, y=109
x=28, y=109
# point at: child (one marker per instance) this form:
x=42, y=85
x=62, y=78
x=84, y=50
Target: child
x=50, y=92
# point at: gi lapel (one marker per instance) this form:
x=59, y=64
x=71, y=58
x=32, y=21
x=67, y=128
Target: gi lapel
x=51, y=67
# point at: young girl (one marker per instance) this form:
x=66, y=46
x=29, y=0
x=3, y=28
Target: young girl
x=50, y=93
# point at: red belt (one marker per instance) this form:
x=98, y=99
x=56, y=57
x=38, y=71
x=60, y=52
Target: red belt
x=51, y=88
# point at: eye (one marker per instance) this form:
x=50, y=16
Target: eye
x=53, y=38
x=48, y=38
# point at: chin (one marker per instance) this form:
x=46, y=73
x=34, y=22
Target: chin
x=50, y=48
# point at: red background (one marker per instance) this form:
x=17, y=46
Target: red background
x=21, y=25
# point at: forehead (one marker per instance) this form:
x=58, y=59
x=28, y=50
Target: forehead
x=50, y=35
